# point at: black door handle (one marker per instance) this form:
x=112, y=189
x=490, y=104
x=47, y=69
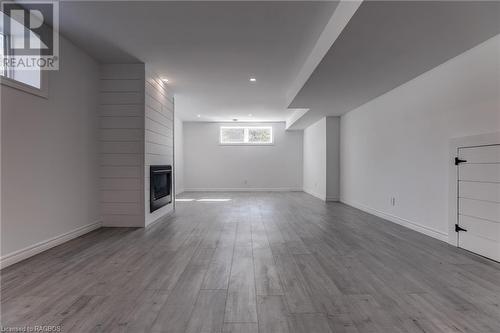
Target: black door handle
x=458, y=228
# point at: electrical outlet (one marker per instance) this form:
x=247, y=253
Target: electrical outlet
x=393, y=201
x=245, y=182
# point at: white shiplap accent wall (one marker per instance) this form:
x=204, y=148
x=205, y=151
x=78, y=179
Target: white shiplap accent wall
x=159, y=134
x=122, y=144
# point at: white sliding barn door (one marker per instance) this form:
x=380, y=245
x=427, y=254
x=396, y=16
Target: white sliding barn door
x=479, y=200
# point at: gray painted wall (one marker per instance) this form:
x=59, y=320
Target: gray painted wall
x=332, y=158
x=50, y=155
x=315, y=159
x=398, y=144
x=179, y=155
x=209, y=165
x=322, y=159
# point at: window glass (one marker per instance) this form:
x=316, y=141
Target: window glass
x=31, y=77
x=259, y=135
x=250, y=135
x=232, y=135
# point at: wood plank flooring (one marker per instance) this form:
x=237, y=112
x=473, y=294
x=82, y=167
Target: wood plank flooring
x=259, y=262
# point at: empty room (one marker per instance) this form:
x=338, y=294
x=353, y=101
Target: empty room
x=250, y=166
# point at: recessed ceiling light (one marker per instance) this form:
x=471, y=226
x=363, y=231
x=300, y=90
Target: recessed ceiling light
x=165, y=80
x=199, y=115
x=252, y=79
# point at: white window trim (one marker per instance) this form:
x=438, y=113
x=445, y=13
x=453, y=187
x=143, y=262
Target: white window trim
x=43, y=91
x=245, y=136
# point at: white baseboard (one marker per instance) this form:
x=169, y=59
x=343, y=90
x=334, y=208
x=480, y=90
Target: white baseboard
x=37, y=248
x=332, y=199
x=314, y=194
x=398, y=220
x=245, y=189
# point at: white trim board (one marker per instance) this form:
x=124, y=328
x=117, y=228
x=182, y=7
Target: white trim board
x=403, y=222
x=37, y=248
x=245, y=189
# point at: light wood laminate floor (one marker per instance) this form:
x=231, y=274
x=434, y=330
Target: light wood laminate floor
x=259, y=262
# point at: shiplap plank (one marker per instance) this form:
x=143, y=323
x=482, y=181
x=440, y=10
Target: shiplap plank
x=158, y=149
x=115, y=208
x=121, y=160
x=153, y=103
x=481, y=209
x=115, y=85
x=484, y=154
x=122, y=98
x=121, y=196
x=122, y=147
x=157, y=96
x=121, y=172
x=161, y=117
x=480, y=191
x=154, y=83
x=157, y=127
x=479, y=172
x=481, y=228
x=156, y=159
x=121, y=184
x=122, y=122
x=480, y=245
x=122, y=110
x=158, y=138
x=121, y=220
x=158, y=143
x=123, y=71
x=122, y=134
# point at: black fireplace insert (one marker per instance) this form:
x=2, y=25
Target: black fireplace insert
x=160, y=186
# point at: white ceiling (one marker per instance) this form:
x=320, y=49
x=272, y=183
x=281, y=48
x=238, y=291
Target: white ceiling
x=387, y=43
x=207, y=50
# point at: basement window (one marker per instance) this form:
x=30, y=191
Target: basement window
x=246, y=135
x=28, y=80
